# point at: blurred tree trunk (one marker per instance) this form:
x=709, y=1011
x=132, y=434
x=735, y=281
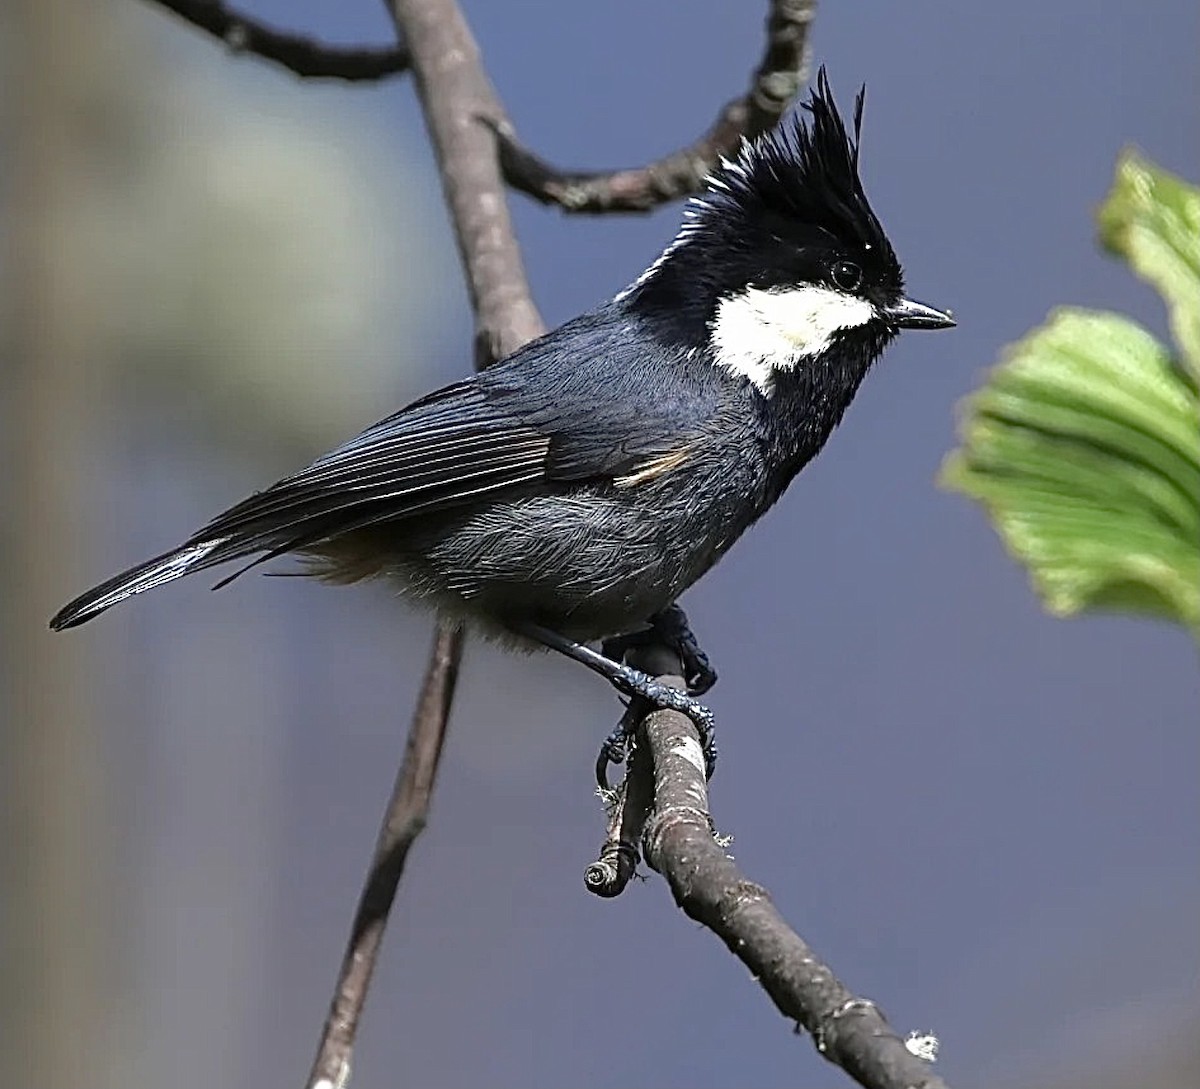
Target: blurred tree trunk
x=57, y=887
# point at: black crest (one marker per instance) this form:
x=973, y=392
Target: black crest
x=787, y=206
x=803, y=172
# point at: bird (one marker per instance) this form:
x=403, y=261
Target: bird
x=570, y=493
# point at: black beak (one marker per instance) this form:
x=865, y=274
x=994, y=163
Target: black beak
x=910, y=314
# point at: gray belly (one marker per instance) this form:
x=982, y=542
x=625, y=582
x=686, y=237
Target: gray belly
x=588, y=561
x=587, y=565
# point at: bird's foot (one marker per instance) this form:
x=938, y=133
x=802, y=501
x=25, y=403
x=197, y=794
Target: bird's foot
x=672, y=627
x=637, y=685
x=641, y=686
x=615, y=747
x=669, y=627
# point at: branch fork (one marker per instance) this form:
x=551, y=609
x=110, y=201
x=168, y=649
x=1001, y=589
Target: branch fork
x=660, y=811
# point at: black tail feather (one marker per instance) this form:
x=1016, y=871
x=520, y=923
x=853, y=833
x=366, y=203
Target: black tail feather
x=146, y=576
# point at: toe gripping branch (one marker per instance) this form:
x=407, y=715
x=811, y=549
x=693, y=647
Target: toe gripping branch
x=669, y=628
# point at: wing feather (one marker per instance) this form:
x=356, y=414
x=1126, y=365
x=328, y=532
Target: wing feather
x=587, y=404
x=431, y=456
x=422, y=479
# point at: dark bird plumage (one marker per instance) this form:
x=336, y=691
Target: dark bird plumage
x=579, y=486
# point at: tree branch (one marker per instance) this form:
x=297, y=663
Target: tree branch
x=664, y=799
x=629, y=807
x=455, y=95
x=678, y=841
x=403, y=822
x=303, y=56
x=779, y=76
x=454, y=92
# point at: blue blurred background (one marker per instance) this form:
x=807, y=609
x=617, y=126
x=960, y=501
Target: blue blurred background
x=983, y=818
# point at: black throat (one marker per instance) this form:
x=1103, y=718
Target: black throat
x=808, y=401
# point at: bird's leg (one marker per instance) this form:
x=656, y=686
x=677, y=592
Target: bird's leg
x=616, y=745
x=670, y=627
x=615, y=647
x=631, y=682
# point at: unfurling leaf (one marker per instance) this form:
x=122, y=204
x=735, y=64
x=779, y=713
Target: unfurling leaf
x=1085, y=448
x=1152, y=219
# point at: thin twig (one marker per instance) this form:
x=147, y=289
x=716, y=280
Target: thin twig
x=454, y=90
x=403, y=822
x=455, y=94
x=629, y=806
x=780, y=75
x=304, y=56
x=679, y=842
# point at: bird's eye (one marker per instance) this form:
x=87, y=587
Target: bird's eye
x=846, y=275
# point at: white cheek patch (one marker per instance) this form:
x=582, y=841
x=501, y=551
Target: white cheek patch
x=759, y=333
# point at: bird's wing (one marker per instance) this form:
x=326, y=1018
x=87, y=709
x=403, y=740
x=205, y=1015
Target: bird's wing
x=566, y=410
x=583, y=404
x=617, y=403
x=435, y=453
x=441, y=451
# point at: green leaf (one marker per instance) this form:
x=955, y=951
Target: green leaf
x=1084, y=446
x=1152, y=219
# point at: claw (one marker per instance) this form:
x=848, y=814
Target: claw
x=672, y=626
x=615, y=748
x=638, y=685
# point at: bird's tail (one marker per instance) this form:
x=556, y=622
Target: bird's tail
x=146, y=576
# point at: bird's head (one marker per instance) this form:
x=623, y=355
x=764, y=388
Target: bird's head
x=782, y=259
